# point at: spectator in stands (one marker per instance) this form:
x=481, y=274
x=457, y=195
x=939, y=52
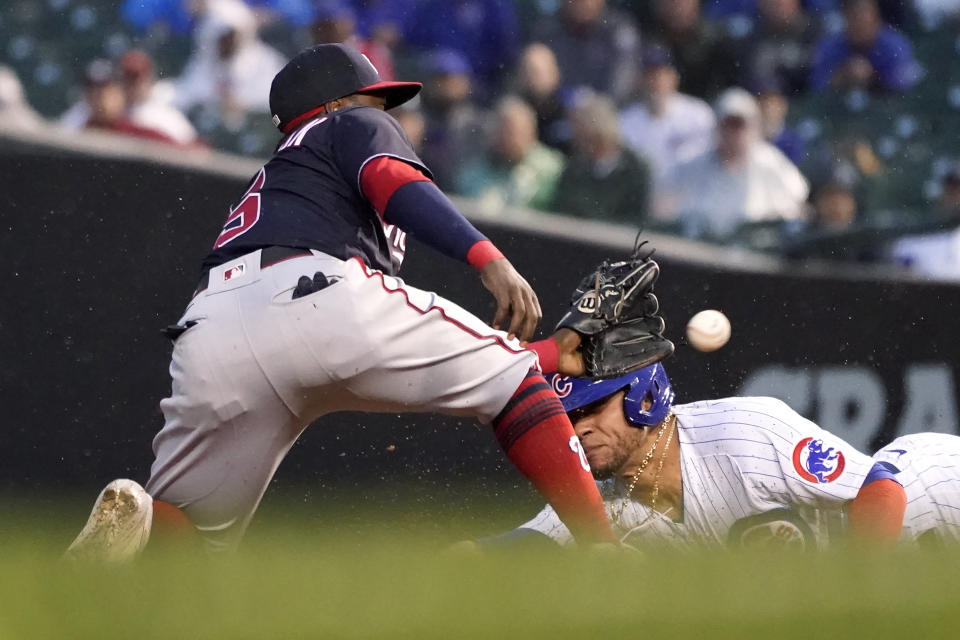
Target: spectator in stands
x=936, y=13
x=230, y=70
x=336, y=21
x=833, y=230
x=294, y=13
x=14, y=109
x=517, y=170
x=834, y=207
x=596, y=46
x=104, y=106
x=868, y=54
x=604, y=179
x=897, y=12
x=539, y=83
x=454, y=124
x=782, y=44
x=665, y=127
x=704, y=56
x=948, y=204
x=106, y=101
x=774, y=107
x=485, y=32
x=100, y=89
x=149, y=102
x=175, y=15
x=179, y=16
x=724, y=9
x=936, y=255
x=385, y=21
x=743, y=179
x=720, y=9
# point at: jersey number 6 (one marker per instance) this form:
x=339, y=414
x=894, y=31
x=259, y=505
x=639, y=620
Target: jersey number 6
x=244, y=215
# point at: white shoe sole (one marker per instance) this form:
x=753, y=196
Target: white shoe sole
x=118, y=527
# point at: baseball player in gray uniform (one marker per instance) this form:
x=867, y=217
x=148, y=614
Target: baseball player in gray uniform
x=299, y=313
x=741, y=471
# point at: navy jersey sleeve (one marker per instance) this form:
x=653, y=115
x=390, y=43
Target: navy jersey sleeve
x=363, y=133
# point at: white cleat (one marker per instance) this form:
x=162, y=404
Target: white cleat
x=118, y=527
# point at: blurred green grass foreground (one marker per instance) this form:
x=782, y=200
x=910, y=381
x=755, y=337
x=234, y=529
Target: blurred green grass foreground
x=390, y=577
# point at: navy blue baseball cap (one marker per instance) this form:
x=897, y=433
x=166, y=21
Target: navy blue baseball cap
x=325, y=72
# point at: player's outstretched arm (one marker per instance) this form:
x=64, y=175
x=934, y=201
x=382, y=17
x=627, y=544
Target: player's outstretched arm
x=403, y=195
x=569, y=356
x=560, y=353
x=518, y=309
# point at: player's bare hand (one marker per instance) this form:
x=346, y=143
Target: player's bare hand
x=570, y=361
x=516, y=301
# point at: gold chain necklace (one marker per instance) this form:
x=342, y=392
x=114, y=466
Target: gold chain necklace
x=663, y=456
x=639, y=471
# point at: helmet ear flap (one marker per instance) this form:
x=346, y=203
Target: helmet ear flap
x=650, y=384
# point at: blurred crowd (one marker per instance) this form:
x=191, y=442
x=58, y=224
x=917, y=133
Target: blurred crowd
x=667, y=114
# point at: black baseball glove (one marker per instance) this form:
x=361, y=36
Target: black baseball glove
x=615, y=310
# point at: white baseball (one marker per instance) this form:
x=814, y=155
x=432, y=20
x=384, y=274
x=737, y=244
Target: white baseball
x=708, y=330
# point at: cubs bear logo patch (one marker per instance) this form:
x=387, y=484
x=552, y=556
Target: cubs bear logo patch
x=815, y=464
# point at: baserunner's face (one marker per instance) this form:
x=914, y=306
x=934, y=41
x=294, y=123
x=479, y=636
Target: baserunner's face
x=607, y=438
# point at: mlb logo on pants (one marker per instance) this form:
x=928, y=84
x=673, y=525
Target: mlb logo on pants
x=234, y=272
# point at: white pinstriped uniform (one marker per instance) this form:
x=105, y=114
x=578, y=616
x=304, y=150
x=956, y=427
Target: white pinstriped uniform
x=737, y=460
x=929, y=465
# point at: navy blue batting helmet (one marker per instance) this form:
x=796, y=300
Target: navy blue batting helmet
x=575, y=393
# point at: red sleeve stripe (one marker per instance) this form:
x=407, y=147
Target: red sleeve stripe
x=382, y=176
x=481, y=253
x=548, y=353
